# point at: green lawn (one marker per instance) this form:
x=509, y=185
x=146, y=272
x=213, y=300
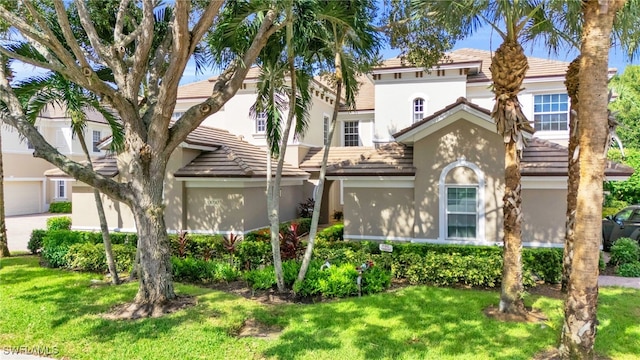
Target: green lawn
x=54, y=308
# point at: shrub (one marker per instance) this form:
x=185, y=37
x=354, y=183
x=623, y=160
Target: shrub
x=261, y=279
x=624, y=251
x=55, y=246
x=305, y=209
x=198, y=246
x=631, y=269
x=198, y=270
x=252, y=254
x=60, y=207
x=91, y=257
x=375, y=280
x=544, y=263
x=35, y=241
x=59, y=223
x=332, y=233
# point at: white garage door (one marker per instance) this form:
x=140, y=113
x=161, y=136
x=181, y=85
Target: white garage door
x=22, y=197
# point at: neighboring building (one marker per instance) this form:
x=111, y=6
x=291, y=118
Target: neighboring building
x=418, y=159
x=26, y=189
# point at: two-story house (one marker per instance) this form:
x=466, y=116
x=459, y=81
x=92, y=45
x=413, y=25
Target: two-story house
x=27, y=190
x=419, y=158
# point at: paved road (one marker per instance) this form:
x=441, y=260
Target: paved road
x=19, y=229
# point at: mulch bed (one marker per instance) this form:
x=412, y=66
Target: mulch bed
x=132, y=310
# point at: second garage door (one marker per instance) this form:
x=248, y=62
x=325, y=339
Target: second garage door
x=22, y=197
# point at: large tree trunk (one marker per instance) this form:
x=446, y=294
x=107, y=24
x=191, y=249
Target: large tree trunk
x=106, y=238
x=315, y=218
x=573, y=177
x=4, y=243
x=579, y=329
x=508, y=69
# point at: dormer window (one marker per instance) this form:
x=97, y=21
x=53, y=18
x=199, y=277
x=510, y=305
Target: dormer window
x=418, y=109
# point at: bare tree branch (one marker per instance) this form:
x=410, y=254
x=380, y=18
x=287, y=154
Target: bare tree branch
x=142, y=51
x=63, y=20
x=205, y=22
x=107, y=55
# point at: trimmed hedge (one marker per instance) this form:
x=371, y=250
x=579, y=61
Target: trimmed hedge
x=91, y=257
x=60, y=207
x=35, y=241
x=331, y=233
x=624, y=251
x=59, y=223
x=56, y=244
x=204, y=271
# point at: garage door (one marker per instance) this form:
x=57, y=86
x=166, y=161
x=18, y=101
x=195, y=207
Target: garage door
x=22, y=197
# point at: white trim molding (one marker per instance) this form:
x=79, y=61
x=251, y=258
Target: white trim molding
x=380, y=182
x=480, y=205
x=544, y=182
x=236, y=182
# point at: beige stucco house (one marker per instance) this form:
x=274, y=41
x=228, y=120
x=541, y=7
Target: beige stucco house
x=26, y=189
x=418, y=159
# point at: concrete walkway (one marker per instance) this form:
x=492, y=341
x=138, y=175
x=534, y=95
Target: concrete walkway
x=619, y=281
x=19, y=229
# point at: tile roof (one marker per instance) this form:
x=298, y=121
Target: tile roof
x=392, y=159
x=204, y=88
x=544, y=158
x=366, y=97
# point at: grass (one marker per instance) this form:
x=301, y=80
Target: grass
x=60, y=310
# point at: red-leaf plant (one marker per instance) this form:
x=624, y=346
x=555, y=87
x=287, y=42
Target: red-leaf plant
x=290, y=242
x=230, y=244
x=183, y=241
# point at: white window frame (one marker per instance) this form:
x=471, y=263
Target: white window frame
x=419, y=105
x=95, y=141
x=480, y=196
x=538, y=125
x=61, y=184
x=350, y=125
x=261, y=123
x=449, y=187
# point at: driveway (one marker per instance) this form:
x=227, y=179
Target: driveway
x=19, y=228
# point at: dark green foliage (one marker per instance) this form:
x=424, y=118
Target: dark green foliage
x=375, y=280
x=55, y=246
x=627, y=106
x=91, y=257
x=59, y=223
x=332, y=233
x=631, y=269
x=261, y=279
x=202, y=271
x=35, y=241
x=252, y=254
x=60, y=207
x=624, y=251
x=629, y=190
x=544, y=263
x=601, y=264
x=305, y=209
x=196, y=245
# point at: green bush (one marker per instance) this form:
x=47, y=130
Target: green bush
x=91, y=257
x=198, y=246
x=340, y=280
x=59, y=223
x=332, y=233
x=261, y=279
x=544, y=263
x=206, y=271
x=631, y=269
x=252, y=254
x=55, y=246
x=375, y=280
x=624, y=251
x=60, y=207
x=35, y=241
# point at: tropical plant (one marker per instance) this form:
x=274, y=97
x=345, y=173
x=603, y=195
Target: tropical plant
x=349, y=48
x=146, y=45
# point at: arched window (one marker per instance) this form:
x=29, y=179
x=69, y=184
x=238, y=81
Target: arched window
x=418, y=109
x=462, y=201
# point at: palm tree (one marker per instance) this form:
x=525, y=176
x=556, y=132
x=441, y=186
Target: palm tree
x=578, y=331
x=39, y=92
x=350, y=46
x=4, y=246
x=523, y=21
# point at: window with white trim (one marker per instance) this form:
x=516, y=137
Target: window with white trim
x=462, y=212
x=351, y=134
x=96, y=136
x=325, y=128
x=61, y=189
x=418, y=109
x=551, y=112
x=261, y=122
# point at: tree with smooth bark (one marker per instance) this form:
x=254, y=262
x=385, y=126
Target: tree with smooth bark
x=579, y=327
x=350, y=46
x=140, y=53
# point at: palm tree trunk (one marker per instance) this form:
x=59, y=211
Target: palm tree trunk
x=579, y=329
x=4, y=243
x=106, y=238
x=508, y=69
x=573, y=177
x=315, y=218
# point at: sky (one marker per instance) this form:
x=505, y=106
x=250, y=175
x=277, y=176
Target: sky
x=484, y=39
